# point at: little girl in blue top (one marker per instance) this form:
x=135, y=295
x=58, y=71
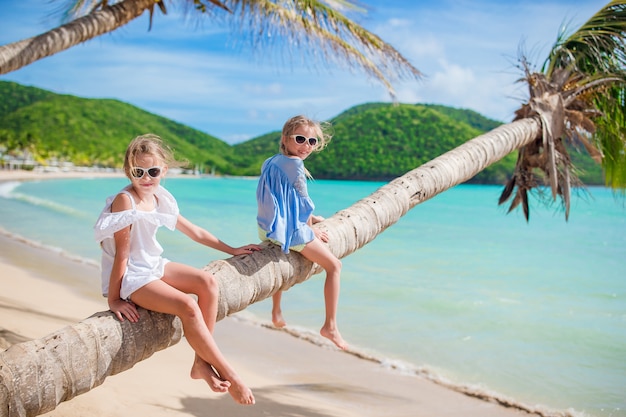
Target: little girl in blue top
x=285, y=214
x=135, y=274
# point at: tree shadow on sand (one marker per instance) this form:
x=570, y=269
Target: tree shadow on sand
x=276, y=401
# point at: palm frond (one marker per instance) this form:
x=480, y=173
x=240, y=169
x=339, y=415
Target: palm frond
x=79, y=8
x=325, y=32
x=611, y=134
x=598, y=51
x=597, y=46
x=580, y=97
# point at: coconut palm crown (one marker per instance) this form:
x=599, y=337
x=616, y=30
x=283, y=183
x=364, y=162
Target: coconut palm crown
x=580, y=97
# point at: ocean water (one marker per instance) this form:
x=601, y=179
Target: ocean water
x=457, y=290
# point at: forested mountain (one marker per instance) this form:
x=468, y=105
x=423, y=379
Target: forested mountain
x=385, y=141
x=373, y=141
x=93, y=131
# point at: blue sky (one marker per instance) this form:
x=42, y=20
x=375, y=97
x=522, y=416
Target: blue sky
x=204, y=74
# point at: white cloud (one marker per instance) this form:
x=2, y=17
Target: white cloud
x=453, y=81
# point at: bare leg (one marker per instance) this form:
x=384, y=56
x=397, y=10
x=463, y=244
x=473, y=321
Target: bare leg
x=202, y=284
x=165, y=296
x=315, y=251
x=277, y=314
x=194, y=281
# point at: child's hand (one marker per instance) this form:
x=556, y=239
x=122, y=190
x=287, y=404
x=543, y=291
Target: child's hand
x=246, y=250
x=321, y=235
x=122, y=308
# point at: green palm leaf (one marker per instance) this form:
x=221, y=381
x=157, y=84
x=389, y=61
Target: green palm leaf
x=580, y=98
x=596, y=57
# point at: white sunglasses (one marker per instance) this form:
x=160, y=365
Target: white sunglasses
x=153, y=172
x=300, y=139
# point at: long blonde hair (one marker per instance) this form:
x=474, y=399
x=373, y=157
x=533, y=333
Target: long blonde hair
x=152, y=145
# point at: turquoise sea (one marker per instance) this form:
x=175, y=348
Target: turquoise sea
x=457, y=290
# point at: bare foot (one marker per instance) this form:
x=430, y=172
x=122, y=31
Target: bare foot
x=335, y=337
x=202, y=370
x=278, y=320
x=241, y=393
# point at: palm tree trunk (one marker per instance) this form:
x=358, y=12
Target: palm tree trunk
x=19, y=54
x=36, y=376
x=247, y=280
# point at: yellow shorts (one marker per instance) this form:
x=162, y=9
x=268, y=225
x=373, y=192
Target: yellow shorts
x=263, y=237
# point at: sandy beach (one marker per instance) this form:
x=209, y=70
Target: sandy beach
x=42, y=291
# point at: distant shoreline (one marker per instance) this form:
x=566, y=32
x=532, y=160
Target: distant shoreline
x=26, y=175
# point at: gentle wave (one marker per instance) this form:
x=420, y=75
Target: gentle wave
x=54, y=249
x=59, y=208
x=6, y=188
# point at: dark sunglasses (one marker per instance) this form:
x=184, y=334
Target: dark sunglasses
x=301, y=139
x=153, y=172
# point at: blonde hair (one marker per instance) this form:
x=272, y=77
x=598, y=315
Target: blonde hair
x=322, y=131
x=152, y=145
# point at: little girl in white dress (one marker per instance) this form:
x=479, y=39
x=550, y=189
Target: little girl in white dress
x=135, y=273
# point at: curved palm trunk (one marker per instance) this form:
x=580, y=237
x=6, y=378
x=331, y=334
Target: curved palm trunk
x=246, y=280
x=19, y=54
x=36, y=376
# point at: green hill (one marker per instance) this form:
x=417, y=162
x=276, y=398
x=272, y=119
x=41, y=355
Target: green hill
x=94, y=131
x=15, y=96
x=251, y=154
x=386, y=140
x=372, y=141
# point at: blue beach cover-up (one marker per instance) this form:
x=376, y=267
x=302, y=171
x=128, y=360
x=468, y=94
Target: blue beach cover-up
x=284, y=205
